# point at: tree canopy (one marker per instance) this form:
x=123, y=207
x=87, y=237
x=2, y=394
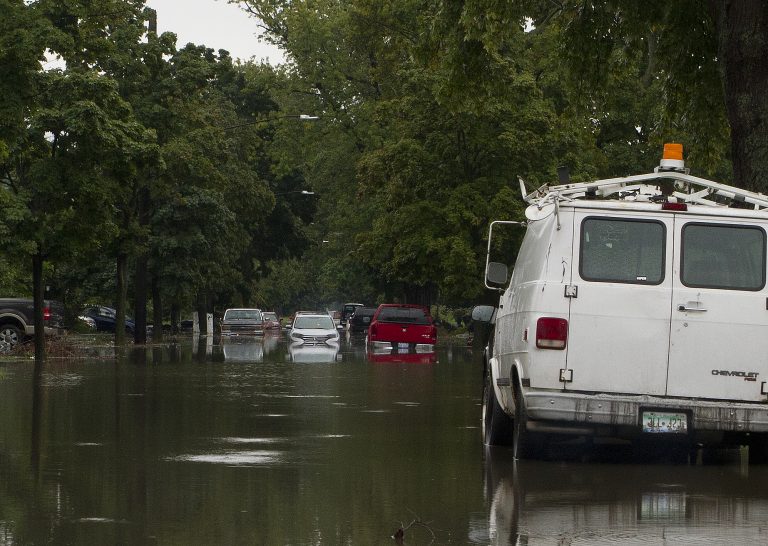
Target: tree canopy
x=137, y=163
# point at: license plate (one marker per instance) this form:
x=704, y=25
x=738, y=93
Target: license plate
x=664, y=422
x=402, y=345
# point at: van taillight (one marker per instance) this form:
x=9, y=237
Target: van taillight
x=46, y=313
x=551, y=333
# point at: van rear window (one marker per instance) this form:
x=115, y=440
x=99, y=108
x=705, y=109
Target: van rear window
x=622, y=250
x=723, y=256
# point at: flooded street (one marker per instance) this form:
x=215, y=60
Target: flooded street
x=258, y=442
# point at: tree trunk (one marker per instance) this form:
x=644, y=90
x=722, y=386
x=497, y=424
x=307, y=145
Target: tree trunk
x=175, y=318
x=122, y=297
x=38, y=293
x=202, y=314
x=157, y=310
x=142, y=272
x=140, y=301
x=742, y=38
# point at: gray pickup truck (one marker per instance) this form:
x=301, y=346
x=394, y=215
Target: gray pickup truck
x=17, y=320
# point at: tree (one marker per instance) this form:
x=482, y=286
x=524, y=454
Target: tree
x=702, y=65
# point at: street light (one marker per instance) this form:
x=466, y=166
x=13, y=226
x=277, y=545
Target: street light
x=303, y=192
x=300, y=117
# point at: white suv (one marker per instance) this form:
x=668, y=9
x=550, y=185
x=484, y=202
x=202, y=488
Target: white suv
x=637, y=308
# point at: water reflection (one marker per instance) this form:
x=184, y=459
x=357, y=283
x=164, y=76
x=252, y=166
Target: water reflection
x=422, y=354
x=242, y=349
x=322, y=352
x=555, y=503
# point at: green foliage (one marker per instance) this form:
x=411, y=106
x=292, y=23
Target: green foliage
x=430, y=113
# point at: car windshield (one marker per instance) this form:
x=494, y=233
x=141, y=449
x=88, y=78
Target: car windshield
x=270, y=316
x=243, y=314
x=411, y=315
x=319, y=323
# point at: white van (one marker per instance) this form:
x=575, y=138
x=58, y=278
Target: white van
x=637, y=309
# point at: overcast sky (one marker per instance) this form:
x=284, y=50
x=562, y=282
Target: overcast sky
x=215, y=24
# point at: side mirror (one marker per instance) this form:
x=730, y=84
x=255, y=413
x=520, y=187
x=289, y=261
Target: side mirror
x=483, y=313
x=496, y=273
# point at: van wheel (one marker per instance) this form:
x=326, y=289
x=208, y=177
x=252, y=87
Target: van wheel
x=525, y=444
x=10, y=336
x=497, y=426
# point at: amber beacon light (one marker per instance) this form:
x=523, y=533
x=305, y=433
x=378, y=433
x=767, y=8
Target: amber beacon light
x=672, y=159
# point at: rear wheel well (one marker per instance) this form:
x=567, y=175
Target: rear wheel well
x=13, y=321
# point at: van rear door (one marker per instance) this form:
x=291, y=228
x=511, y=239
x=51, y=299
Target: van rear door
x=719, y=341
x=618, y=331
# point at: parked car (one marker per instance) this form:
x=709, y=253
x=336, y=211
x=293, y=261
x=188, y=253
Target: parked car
x=105, y=318
x=17, y=320
x=347, y=311
x=87, y=322
x=271, y=322
x=402, y=326
x=361, y=319
x=636, y=311
x=314, y=329
x=242, y=321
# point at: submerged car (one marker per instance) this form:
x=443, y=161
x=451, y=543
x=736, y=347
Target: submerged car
x=361, y=319
x=271, y=322
x=17, y=320
x=242, y=321
x=314, y=329
x=402, y=326
x=347, y=311
x=106, y=318
x=636, y=312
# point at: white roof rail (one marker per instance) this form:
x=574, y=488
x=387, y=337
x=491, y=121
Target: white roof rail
x=652, y=186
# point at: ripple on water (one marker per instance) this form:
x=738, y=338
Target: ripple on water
x=61, y=380
x=237, y=440
x=101, y=520
x=232, y=458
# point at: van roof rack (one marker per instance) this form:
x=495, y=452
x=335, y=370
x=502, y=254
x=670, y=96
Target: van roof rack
x=669, y=180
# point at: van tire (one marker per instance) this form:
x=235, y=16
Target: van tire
x=758, y=449
x=496, y=426
x=525, y=444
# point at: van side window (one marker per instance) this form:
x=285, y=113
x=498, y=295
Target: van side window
x=722, y=256
x=622, y=250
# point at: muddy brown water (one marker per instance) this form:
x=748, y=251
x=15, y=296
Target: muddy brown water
x=259, y=442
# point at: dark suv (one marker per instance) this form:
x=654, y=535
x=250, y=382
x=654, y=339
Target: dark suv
x=361, y=319
x=347, y=311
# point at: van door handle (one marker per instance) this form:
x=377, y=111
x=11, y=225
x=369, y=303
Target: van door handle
x=682, y=307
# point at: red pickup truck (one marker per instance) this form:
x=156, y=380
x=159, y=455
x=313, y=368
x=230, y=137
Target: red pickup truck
x=402, y=324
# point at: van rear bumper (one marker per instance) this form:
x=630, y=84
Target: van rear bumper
x=584, y=410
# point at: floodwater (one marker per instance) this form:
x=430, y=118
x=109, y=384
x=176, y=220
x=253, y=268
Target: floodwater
x=258, y=442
